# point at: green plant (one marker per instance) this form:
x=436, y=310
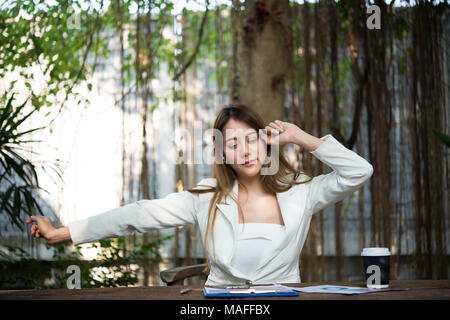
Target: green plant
x=57, y=36
x=112, y=266
x=18, y=177
x=18, y=269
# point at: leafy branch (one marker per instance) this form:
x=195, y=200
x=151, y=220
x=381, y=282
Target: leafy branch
x=197, y=46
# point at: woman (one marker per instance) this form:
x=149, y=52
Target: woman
x=253, y=225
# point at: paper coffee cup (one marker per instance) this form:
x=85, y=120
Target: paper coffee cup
x=376, y=267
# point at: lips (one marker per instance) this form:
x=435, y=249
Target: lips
x=249, y=163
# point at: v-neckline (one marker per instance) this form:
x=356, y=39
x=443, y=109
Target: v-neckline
x=278, y=204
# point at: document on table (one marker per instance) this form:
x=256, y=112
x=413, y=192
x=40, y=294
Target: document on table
x=271, y=290
x=338, y=289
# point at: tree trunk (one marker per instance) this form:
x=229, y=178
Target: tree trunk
x=263, y=53
x=428, y=104
x=309, y=123
x=234, y=66
x=319, y=70
x=335, y=124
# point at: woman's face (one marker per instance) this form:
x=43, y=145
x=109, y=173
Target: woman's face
x=243, y=150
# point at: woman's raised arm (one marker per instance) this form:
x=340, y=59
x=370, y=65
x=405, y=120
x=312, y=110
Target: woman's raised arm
x=350, y=172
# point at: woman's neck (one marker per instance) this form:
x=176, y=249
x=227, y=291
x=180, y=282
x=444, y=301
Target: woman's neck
x=253, y=186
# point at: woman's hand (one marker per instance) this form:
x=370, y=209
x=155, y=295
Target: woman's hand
x=285, y=132
x=42, y=229
x=279, y=133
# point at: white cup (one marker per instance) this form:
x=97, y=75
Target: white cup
x=375, y=251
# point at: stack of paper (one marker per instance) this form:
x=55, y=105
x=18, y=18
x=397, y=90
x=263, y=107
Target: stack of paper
x=338, y=289
x=243, y=291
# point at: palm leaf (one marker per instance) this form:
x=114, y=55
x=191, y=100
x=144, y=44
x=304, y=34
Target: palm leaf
x=443, y=137
x=17, y=199
x=6, y=111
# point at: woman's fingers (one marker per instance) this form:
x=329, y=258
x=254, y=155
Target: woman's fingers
x=268, y=134
x=35, y=231
x=34, y=226
x=32, y=219
x=272, y=130
x=274, y=127
x=278, y=125
x=41, y=228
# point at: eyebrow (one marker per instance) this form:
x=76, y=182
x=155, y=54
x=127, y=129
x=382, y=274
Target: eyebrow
x=254, y=132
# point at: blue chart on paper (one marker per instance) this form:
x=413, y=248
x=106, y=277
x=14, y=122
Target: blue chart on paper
x=255, y=291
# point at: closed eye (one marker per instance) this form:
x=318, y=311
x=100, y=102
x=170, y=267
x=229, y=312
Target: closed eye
x=251, y=141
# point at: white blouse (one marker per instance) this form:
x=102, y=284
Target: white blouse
x=254, y=241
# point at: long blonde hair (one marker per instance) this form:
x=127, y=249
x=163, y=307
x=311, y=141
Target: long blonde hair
x=226, y=176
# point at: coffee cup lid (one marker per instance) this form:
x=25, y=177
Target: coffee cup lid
x=375, y=252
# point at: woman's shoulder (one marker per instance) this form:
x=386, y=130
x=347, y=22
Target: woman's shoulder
x=302, y=184
x=203, y=190
x=206, y=182
x=301, y=177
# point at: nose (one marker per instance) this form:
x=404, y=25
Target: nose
x=244, y=151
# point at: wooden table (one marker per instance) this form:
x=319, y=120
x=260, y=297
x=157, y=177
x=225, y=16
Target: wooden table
x=418, y=290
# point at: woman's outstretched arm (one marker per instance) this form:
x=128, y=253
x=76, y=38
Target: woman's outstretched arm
x=175, y=209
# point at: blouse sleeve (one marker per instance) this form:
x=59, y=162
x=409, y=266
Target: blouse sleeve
x=350, y=172
x=175, y=209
